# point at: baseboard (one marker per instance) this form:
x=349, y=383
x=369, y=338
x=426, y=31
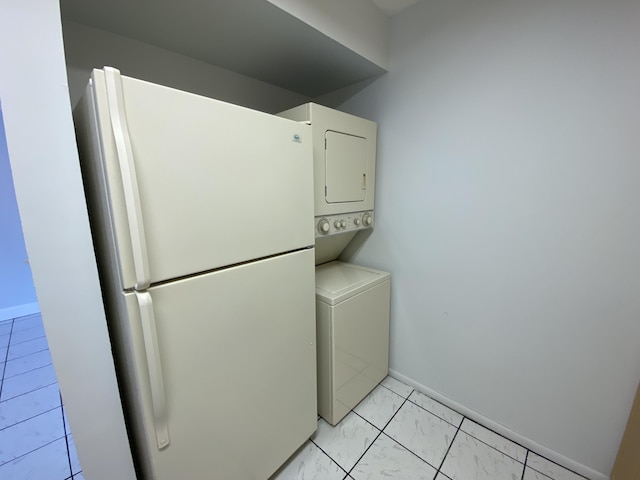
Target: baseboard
x=504, y=431
x=19, y=311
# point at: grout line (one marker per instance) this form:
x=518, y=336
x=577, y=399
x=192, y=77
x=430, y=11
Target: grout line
x=26, y=393
x=524, y=469
x=4, y=365
x=330, y=457
x=449, y=449
x=31, y=451
x=66, y=435
x=27, y=419
x=27, y=371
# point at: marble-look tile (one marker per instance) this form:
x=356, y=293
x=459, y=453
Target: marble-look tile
x=310, y=463
x=27, y=334
x=421, y=432
x=5, y=330
x=27, y=382
x=24, y=323
x=470, y=459
x=494, y=440
x=27, y=363
x=49, y=461
x=530, y=474
x=30, y=435
x=550, y=469
x=388, y=459
x=436, y=408
x=346, y=442
x=379, y=406
x=78, y=476
x=29, y=405
x=3, y=354
x=17, y=350
x=442, y=476
x=73, y=456
x=397, y=386
x=4, y=340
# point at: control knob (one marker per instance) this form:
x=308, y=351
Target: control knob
x=337, y=224
x=367, y=220
x=356, y=221
x=343, y=223
x=323, y=226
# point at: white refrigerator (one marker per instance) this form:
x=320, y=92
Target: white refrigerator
x=202, y=218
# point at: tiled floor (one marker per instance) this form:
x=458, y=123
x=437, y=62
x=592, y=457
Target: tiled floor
x=35, y=440
x=395, y=433
x=399, y=433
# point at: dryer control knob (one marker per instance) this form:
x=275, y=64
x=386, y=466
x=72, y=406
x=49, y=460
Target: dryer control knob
x=337, y=224
x=323, y=226
x=343, y=223
x=356, y=221
x=367, y=220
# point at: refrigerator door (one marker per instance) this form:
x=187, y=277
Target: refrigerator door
x=237, y=348
x=194, y=184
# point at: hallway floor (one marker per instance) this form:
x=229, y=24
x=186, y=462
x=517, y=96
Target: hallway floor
x=396, y=432
x=35, y=440
x=399, y=433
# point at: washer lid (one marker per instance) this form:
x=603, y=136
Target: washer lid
x=338, y=281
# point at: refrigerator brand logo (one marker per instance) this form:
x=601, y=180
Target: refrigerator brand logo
x=296, y=138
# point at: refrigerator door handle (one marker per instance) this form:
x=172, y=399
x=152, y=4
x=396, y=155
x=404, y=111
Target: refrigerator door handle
x=156, y=381
x=120, y=129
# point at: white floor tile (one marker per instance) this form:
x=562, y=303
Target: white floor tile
x=47, y=462
x=73, y=456
x=436, y=408
x=442, y=476
x=310, y=463
x=530, y=474
x=386, y=459
x=27, y=436
x=470, y=459
x=4, y=340
x=397, y=386
x=379, y=406
x=78, y=476
x=27, y=334
x=27, y=363
x=17, y=350
x=3, y=354
x=5, y=329
x=421, y=432
x=27, y=382
x=551, y=469
x=32, y=404
x=346, y=442
x=494, y=440
x=24, y=323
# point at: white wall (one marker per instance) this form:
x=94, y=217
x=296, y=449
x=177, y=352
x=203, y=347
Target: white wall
x=357, y=24
x=508, y=211
x=44, y=160
x=87, y=48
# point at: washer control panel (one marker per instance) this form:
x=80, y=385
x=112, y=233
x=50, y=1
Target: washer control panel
x=346, y=222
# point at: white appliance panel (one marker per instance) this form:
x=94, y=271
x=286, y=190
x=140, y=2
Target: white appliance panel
x=238, y=356
x=194, y=155
x=346, y=168
x=352, y=322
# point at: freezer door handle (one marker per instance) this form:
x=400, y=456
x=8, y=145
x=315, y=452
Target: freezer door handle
x=120, y=129
x=156, y=381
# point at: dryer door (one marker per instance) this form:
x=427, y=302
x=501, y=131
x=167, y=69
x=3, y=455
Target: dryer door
x=346, y=167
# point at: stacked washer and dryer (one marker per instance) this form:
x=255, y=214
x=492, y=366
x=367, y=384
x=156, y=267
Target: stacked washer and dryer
x=352, y=302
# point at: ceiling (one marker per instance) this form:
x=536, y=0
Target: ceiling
x=251, y=37
x=393, y=7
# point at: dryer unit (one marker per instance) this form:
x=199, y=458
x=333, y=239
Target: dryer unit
x=344, y=165
x=352, y=335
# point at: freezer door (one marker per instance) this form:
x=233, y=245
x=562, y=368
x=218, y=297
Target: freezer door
x=213, y=184
x=237, y=352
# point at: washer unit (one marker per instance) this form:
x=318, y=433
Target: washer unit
x=352, y=335
x=352, y=302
